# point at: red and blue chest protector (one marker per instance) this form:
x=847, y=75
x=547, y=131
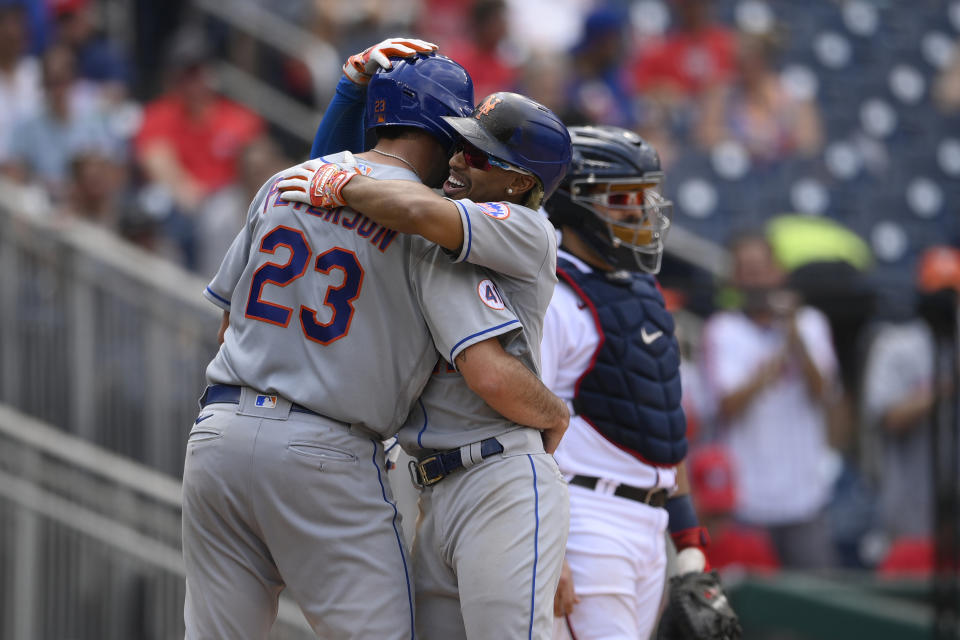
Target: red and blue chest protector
x=631, y=391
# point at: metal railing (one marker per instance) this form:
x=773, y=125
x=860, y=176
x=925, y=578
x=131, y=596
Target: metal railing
x=101, y=339
x=90, y=543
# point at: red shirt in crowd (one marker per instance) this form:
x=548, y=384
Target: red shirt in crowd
x=743, y=547
x=206, y=147
x=487, y=70
x=687, y=62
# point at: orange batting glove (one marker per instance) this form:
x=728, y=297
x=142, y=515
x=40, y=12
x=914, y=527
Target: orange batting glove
x=316, y=183
x=360, y=67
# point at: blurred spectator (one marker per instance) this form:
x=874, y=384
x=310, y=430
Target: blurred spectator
x=946, y=89
x=481, y=52
x=543, y=78
x=597, y=90
x=98, y=60
x=444, y=21
x=44, y=143
x=713, y=486
x=96, y=191
x=757, y=110
x=224, y=212
x=899, y=397
x=191, y=137
x=697, y=55
x=828, y=265
x=546, y=26
x=771, y=367
x=20, y=88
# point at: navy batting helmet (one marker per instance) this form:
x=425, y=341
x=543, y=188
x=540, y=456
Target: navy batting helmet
x=522, y=132
x=419, y=92
x=612, y=197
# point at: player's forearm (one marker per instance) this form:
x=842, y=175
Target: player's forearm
x=342, y=124
x=814, y=379
x=408, y=208
x=510, y=388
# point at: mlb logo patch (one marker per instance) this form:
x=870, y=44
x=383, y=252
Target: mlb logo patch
x=496, y=210
x=489, y=295
x=363, y=170
x=267, y=402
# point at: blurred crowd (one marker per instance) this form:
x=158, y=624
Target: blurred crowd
x=810, y=404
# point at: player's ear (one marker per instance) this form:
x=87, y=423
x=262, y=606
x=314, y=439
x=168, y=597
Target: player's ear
x=521, y=183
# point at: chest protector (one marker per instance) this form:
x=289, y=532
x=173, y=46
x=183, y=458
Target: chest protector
x=631, y=391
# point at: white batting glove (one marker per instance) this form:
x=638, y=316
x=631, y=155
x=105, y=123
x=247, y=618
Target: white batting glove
x=360, y=67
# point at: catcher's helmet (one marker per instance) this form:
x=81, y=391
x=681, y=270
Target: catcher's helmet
x=612, y=197
x=419, y=92
x=522, y=132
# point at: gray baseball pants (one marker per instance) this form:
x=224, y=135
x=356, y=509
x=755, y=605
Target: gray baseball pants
x=489, y=547
x=276, y=500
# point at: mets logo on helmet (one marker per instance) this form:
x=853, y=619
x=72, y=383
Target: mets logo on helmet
x=488, y=105
x=496, y=210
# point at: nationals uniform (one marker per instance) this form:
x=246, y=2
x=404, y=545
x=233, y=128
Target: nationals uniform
x=489, y=545
x=334, y=330
x=617, y=547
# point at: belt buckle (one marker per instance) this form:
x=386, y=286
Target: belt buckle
x=419, y=474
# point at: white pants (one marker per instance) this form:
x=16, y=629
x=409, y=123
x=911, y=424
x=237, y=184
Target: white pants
x=618, y=557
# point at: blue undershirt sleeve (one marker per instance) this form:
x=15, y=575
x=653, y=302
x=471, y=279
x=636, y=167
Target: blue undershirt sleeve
x=342, y=126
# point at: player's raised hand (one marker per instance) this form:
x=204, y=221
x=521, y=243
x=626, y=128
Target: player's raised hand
x=361, y=66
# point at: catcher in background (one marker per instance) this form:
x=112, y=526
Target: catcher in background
x=609, y=350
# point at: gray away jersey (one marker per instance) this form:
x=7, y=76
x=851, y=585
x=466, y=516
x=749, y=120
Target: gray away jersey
x=337, y=313
x=518, y=247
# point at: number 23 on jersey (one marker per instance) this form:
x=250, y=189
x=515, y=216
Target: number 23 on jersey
x=339, y=299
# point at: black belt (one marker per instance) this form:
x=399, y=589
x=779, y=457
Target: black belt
x=653, y=497
x=230, y=394
x=434, y=468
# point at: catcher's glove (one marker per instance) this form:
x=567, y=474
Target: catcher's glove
x=698, y=610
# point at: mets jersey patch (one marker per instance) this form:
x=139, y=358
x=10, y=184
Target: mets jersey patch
x=489, y=295
x=267, y=402
x=496, y=210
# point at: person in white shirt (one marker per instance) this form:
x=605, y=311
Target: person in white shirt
x=772, y=369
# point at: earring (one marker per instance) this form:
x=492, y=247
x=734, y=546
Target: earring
x=509, y=190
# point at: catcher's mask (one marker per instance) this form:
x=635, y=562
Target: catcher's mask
x=612, y=198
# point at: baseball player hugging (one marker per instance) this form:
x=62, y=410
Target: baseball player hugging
x=331, y=329
x=493, y=506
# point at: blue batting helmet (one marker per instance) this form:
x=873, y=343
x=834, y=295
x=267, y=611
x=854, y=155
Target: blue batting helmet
x=521, y=132
x=419, y=92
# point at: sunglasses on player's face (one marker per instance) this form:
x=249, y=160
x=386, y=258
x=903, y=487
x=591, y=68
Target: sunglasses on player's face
x=480, y=159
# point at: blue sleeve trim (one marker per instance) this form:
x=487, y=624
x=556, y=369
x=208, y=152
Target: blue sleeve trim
x=342, y=125
x=213, y=293
x=536, y=544
x=469, y=233
x=480, y=333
